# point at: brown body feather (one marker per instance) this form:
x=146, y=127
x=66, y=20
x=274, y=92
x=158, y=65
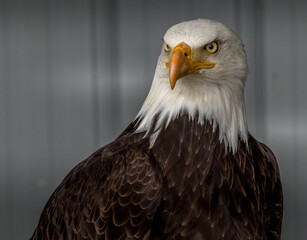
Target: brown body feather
x=187, y=186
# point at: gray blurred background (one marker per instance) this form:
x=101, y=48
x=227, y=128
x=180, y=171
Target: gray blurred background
x=75, y=73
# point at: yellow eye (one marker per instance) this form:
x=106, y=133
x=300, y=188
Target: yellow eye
x=166, y=48
x=212, y=47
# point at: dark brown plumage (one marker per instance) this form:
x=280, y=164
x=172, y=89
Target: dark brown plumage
x=187, y=186
x=186, y=168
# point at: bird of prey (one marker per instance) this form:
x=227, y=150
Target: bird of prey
x=186, y=167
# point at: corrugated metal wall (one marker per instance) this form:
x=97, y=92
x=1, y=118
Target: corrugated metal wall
x=75, y=73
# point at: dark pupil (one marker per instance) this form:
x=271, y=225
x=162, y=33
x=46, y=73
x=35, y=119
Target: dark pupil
x=211, y=46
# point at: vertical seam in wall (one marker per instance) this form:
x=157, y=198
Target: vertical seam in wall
x=113, y=64
x=146, y=39
x=50, y=126
x=8, y=120
x=294, y=103
x=188, y=5
x=237, y=16
x=94, y=68
x=191, y=11
x=260, y=90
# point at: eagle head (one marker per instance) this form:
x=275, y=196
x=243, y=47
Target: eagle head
x=201, y=72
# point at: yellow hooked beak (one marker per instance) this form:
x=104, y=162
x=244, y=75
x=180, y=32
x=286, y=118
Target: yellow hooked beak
x=182, y=65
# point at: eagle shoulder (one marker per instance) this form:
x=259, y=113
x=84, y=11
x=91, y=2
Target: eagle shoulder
x=113, y=194
x=273, y=189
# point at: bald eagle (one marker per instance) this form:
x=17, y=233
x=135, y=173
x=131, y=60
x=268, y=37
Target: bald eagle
x=186, y=167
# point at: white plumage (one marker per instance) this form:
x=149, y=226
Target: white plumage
x=216, y=93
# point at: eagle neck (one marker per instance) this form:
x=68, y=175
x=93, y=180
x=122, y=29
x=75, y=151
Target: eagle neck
x=222, y=105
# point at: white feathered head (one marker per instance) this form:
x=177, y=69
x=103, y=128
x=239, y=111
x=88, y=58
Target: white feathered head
x=201, y=70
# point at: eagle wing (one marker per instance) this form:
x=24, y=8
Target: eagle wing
x=113, y=194
x=275, y=194
x=271, y=187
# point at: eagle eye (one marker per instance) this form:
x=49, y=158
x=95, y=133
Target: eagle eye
x=212, y=47
x=166, y=48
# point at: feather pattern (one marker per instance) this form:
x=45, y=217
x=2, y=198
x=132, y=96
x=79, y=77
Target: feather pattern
x=226, y=196
x=187, y=186
x=185, y=169
x=113, y=194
